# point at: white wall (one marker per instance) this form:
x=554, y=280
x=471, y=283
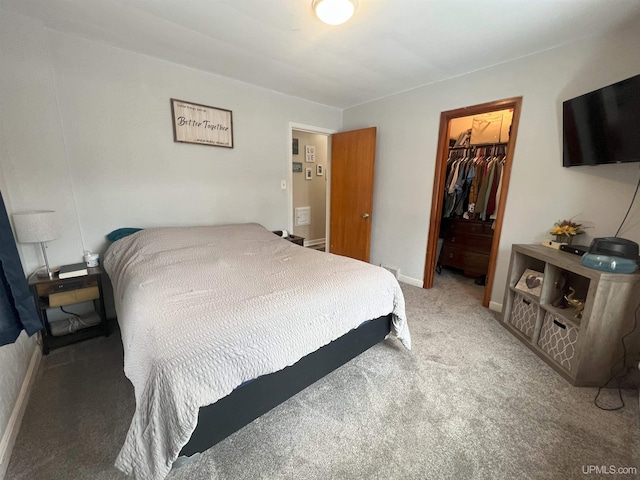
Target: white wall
x=85, y=129
x=541, y=190
x=116, y=119
x=32, y=151
x=29, y=137
x=90, y=130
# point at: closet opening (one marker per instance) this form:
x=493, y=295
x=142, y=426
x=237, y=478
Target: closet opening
x=470, y=186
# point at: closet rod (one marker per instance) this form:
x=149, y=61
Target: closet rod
x=481, y=145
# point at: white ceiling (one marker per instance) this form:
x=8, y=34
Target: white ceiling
x=389, y=46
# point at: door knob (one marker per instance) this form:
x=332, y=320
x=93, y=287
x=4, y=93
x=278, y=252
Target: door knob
x=365, y=215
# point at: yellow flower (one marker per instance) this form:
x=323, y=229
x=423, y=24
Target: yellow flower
x=567, y=228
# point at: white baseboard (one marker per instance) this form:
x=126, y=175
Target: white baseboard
x=495, y=306
x=13, y=427
x=313, y=243
x=416, y=282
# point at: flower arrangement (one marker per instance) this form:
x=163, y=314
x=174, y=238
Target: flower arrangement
x=566, y=229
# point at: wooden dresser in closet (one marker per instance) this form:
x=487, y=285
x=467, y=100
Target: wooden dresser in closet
x=467, y=245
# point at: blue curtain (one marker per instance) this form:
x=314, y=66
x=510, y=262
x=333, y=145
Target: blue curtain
x=17, y=307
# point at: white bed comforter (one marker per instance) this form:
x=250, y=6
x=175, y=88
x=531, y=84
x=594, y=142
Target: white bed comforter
x=204, y=309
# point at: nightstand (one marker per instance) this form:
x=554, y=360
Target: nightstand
x=55, y=292
x=292, y=238
x=295, y=239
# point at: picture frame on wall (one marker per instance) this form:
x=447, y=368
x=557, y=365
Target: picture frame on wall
x=308, y=174
x=297, y=167
x=319, y=170
x=310, y=153
x=294, y=147
x=201, y=124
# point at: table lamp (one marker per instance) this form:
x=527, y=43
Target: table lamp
x=37, y=226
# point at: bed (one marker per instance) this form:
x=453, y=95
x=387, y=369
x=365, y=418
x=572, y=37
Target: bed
x=213, y=318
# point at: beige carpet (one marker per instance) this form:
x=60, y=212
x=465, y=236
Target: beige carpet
x=469, y=401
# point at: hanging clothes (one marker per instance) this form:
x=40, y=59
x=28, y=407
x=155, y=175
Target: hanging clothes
x=473, y=181
x=482, y=192
x=493, y=216
x=479, y=169
x=17, y=308
x=493, y=196
x=450, y=190
x=491, y=181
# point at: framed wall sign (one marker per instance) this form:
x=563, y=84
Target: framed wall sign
x=308, y=175
x=295, y=146
x=297, y=167
x=319, y=170
x=195, y=123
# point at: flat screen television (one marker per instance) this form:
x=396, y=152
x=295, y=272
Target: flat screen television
x=603, y=126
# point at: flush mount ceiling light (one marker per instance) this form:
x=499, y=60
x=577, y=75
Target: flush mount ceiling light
x=334, y=12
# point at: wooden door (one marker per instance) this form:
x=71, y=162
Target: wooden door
x=352, y=160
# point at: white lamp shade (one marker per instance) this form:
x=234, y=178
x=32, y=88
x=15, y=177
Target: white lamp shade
x=334, y=12
x=35, y=226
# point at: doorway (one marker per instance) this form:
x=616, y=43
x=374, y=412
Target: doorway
x=484, y=131
x=348, y=179
x=309, y=193
x=309, y=187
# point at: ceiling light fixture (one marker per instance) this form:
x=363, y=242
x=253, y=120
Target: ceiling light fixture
x=334, y=12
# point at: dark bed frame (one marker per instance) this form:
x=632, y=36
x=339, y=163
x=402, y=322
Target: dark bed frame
x=253, y=399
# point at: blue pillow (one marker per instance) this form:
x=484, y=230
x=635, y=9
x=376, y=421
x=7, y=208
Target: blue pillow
x=121, y=233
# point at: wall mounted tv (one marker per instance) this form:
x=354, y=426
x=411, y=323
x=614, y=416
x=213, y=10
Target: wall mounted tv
x=603, y=126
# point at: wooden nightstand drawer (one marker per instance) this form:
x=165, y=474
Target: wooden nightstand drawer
x=74, y=296
x=46, y=288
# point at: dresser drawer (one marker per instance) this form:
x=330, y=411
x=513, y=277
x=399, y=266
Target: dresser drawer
x=461, y=226
x=473, y=263
x=471, y=241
